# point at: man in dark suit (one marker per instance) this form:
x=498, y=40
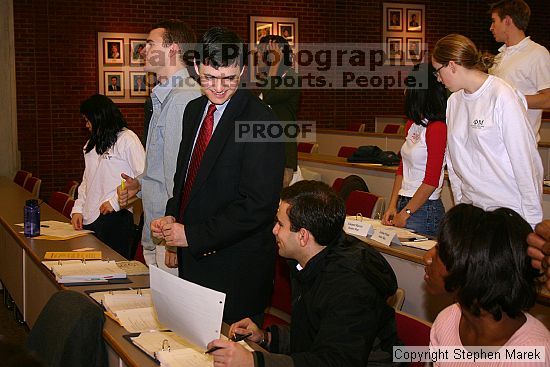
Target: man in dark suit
x=114, y=87
x=226, y=191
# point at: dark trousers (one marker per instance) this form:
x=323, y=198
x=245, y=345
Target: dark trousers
x=116, y=229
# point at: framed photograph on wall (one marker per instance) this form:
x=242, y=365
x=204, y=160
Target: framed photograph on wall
x=113, y=51
x=137, y=47
x=394, y=19
x=114, y=80
x=263, y=29
x=403, y=33
x=287, y=31
x=138, y=84
x=414, y=49
x=119, y=59
x=394, y=46
x=414, y=20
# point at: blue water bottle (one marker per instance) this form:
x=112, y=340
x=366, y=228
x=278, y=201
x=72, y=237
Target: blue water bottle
x=32, y=218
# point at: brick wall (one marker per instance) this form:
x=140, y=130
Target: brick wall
x=56, y=56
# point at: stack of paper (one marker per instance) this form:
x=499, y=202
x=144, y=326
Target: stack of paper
x=132, y=309
x=171, y=350
x=86, y=271
x=57, y=231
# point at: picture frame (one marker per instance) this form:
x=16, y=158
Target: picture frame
x=394, y=19
x=414, y=52
x=394, y=47
x=138, y=84
x=414, y=20
x=262, y=29
x=259, y=27
x=287, y=31
x=114, y=82
x=151, y=81
x=113, y=51
x=135, y=51
x=403, y=33
x=122, y=66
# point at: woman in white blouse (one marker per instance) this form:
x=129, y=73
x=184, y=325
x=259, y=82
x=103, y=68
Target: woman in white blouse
x=111, y=150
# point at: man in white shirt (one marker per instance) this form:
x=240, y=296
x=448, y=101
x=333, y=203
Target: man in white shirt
x=164, y=55
x=521, y=62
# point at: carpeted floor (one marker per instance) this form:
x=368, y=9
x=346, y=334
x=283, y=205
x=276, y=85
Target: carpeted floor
x=9, y=328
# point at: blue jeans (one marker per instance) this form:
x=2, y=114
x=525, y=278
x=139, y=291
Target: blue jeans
x=426, y=219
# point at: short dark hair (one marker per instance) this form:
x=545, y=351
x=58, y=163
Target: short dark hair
x=176, y=31
x=313, y=205
x=518, y=10
x=285, y=48
x=106, y=120
x=428, y=102
x=219, y=47
x=485, y=254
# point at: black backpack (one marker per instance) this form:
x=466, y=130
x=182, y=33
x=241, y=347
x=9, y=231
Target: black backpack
x=373, y=154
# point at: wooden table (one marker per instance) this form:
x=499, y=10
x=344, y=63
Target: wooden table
x=31, y=285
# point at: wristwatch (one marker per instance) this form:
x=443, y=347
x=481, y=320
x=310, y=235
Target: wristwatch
x=408, y=211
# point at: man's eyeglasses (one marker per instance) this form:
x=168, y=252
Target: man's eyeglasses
x=436, y=72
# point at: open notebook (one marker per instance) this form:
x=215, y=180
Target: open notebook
x=76, y=271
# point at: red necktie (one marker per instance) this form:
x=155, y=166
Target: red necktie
x=200, y=146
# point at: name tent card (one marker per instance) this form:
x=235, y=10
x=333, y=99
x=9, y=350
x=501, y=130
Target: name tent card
x=385, y=236
x=357, y=227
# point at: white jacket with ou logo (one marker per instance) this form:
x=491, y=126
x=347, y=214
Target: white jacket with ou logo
x=102, y=174
x=492, y=155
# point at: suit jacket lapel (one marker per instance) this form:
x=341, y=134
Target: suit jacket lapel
x=225, y=130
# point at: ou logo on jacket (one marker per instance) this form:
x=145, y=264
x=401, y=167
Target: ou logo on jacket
x=477, y=124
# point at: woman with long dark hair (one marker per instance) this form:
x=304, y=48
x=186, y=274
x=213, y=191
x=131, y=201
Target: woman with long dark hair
x=415, y=202
x=111, y=149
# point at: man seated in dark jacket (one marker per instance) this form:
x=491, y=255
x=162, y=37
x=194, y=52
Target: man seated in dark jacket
x=339, y=291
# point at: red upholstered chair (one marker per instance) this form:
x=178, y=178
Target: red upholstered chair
x=337, y=184
x=346, y=151
x=58, y=200
x=307, y=147
x=391, y=129
x=70, y=188
x=68, y=207
x=369, y=205
x=412, y=331
x=33, y=185
x=280, y=306
x=356, y=126
x=21, y=177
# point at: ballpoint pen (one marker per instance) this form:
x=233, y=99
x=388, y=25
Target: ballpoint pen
x=234, y=338
x=417, y=239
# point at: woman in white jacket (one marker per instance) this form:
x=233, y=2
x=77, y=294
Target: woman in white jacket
x=111, y=149
x=492, y=156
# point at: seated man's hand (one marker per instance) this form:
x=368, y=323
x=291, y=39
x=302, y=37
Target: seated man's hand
x=231, y=354
x=158, y=224
x=246, y=326
x=77, y=220
x=131, y=188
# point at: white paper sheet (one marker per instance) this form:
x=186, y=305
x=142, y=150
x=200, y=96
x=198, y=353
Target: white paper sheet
x=192, y=311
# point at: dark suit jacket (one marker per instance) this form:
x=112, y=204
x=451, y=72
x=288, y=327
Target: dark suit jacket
x=232, y=206
x=114, y=88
